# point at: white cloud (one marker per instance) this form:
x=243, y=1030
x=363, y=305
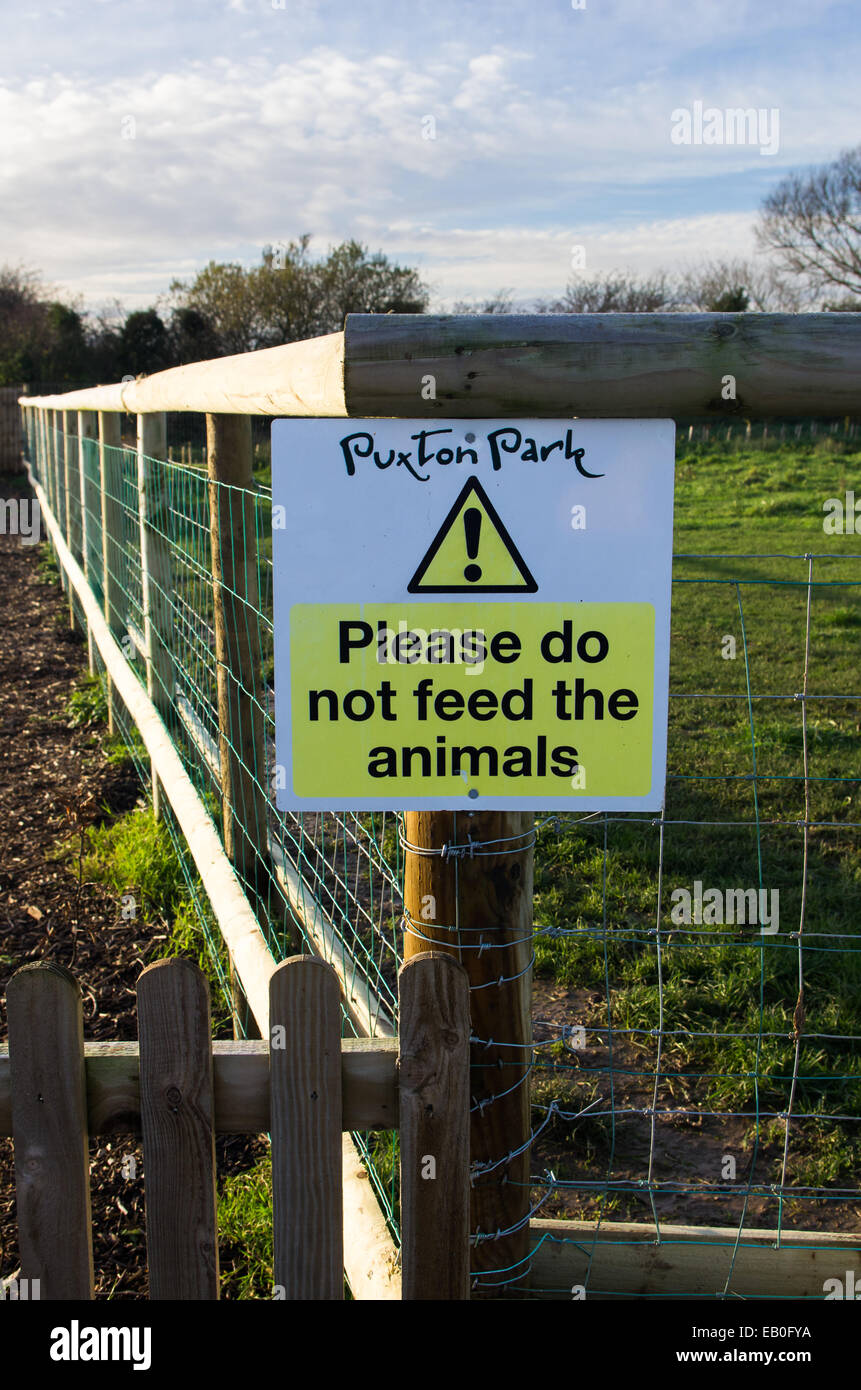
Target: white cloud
x=536, y=263
x=537, y=146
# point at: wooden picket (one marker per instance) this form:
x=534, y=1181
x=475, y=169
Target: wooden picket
x=50, y=1125
x=177, y=1121
x=305, y=1108
x=304, y=1084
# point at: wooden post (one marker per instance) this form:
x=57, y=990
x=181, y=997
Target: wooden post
x=71, y=490
x=87, y=430
x=49, y=1124
x=42, y=443
x=458, y=903
x=237, y=642
x=51, y=463
x=155, y=573
x=433, y=1081
x=239, y=674
x=44, y=464
x=110, y=488
x=61, y=501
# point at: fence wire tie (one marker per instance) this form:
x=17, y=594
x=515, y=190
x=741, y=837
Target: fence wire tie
x=473, y=847
x=479, y=1236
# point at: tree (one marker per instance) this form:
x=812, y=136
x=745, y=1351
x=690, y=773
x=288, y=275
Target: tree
x=284, y=294
x=847, y=305
x=25, y=331
x=144, y=344
x=104, y=352
x=288, y=296
x=192, y=337
x=350, y=281
x=615, y=293
x=737, y=286
x=500, y=303
x=66, y=355
x=813, y=222
x=222, y=295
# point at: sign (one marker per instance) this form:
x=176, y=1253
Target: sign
x=471, y=614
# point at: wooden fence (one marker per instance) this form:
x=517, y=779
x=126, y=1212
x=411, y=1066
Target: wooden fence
x=556, y=366
x=304, y=1086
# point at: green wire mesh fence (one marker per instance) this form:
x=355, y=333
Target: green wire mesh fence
x=697, y=974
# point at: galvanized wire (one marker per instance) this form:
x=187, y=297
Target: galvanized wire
x=339, y=878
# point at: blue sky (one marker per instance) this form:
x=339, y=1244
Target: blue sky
x=139, y=139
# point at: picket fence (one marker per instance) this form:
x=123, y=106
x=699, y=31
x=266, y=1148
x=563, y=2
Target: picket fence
x=305, y=1086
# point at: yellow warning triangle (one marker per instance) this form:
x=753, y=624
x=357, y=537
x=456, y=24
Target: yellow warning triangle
x=472, y=552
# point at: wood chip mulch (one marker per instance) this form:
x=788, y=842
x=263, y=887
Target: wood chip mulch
x=54, y=784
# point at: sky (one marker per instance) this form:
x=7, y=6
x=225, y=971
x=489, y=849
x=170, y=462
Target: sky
x=480, y=141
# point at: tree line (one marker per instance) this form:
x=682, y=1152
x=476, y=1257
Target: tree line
x=225, y=309
x=809, y=229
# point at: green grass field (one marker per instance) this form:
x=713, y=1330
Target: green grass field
x=716, y=980
x=725, y=998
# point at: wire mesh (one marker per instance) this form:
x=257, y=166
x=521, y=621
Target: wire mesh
x=696, y=992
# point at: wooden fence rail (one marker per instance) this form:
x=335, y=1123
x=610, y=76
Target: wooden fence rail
x=371, y=1257
x=304, y=1085
x=557, y=366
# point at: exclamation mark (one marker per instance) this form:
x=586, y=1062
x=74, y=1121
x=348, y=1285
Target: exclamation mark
x=472, y=527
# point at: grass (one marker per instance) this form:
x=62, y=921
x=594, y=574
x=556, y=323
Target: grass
x=245, y=1227
x=87, y=705
x=135, y=855
x=762, y=503
x=46, y=565
x=765, y=502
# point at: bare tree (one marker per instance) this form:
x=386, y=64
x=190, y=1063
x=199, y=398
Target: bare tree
x=500, y=303
x=615, y=293
x=736, y=286
x=813, y=222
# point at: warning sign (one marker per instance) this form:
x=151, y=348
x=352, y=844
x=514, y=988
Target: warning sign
x=471, y=613
x=472, y=552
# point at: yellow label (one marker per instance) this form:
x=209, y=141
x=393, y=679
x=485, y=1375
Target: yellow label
x=484, y=699
x=472, y=552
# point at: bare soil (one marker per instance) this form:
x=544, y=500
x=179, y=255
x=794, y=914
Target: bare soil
x=54, y=783
x=688, y=1151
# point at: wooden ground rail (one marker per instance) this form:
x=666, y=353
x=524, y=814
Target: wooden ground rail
x=304, y=1085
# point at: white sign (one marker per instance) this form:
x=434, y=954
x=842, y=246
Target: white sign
x=472, y=614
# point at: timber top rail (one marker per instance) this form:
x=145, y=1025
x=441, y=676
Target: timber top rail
x=555, y=365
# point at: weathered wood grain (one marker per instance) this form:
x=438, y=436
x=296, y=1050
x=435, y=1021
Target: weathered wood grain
x=490, y=898
x=305, y=1099
x=603, y=365
x=690, y=1261
x=434, y=1127
x=240, y=1069
x=49, y=1121
x=176, y=1119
